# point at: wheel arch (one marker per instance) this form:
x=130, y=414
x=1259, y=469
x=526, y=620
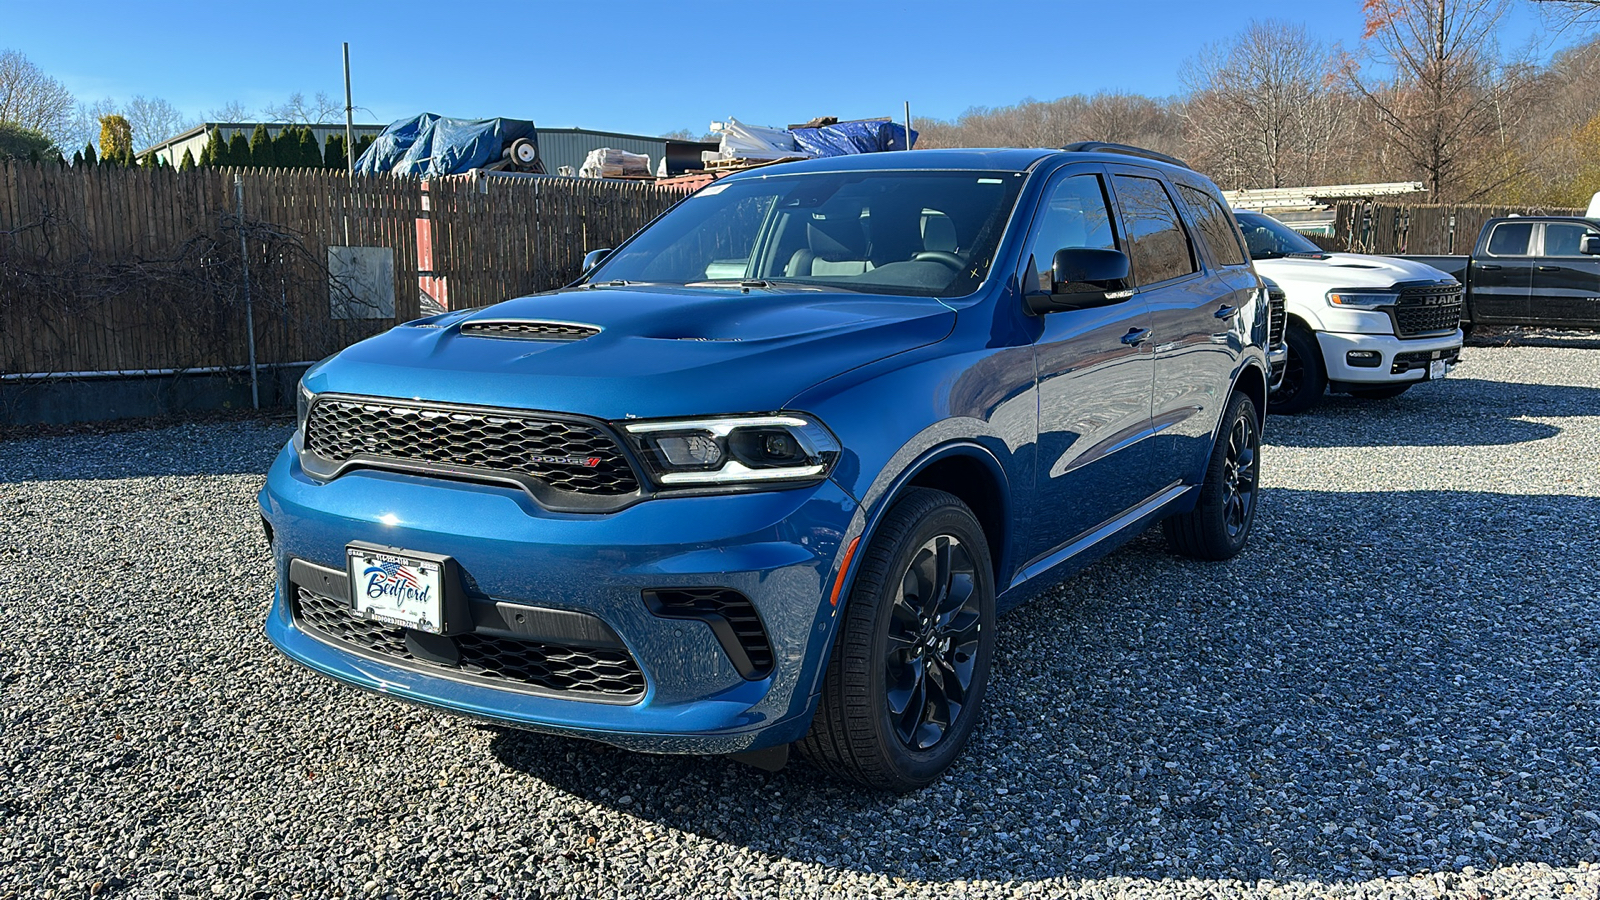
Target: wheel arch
x=965, y=469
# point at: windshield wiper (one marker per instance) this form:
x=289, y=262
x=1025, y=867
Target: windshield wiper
x=767, y=284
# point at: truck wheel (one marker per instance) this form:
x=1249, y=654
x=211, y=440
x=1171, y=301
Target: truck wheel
x=1219, y=524
x=1380, y=393
x=1304, y=376
x=904, y=686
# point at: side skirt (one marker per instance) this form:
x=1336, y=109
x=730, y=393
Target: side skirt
x=1078, y=554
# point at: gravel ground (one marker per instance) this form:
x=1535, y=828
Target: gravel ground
x=1392, y=693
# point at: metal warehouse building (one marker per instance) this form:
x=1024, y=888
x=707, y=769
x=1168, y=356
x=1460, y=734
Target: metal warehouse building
x=568, y=146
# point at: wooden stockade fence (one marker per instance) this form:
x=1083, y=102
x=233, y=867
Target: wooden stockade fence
x=137, y=270
x=1427, y=230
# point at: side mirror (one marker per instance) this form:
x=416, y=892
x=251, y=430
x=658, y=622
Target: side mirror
x=1081, y=278
x=593, y=258
x=1590, y=245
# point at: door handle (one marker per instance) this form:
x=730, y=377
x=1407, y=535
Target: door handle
x=1549, y=268
x=1489, y=268
x=1135, y=336
x=1226, y=312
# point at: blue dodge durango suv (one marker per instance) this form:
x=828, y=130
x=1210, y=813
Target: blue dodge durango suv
x=763, y=475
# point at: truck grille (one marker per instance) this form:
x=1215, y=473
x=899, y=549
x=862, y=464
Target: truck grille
x=499, y=661
x=566, y=456
x=1277, y=315
x=1431, y=309
x=1419, y=359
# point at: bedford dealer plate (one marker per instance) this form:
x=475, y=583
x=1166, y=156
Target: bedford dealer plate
x=398, y=589
x=1438, y=369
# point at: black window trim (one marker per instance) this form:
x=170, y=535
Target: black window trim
x=1535, y=238
x=1210, y=264
x=1544, y=229
x=1160, y=178
x=1053, y=181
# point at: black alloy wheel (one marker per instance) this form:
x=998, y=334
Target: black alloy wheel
x=1239, y=475
x=934, y=628
x=1219, y=525
x=905, y=680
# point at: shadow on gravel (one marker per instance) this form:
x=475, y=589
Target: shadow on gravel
x=1381, y=685
x=223, y=448
x=1458, y=412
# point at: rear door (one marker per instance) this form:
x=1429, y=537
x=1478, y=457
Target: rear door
x=1094, y=374
x=1502, y=276
x=1192, y=318
x=1566, y=283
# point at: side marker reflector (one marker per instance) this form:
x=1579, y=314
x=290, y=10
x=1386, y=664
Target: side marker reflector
x=844, y=567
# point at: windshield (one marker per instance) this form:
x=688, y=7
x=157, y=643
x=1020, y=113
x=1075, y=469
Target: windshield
x=929, y=234
x=1268, y=238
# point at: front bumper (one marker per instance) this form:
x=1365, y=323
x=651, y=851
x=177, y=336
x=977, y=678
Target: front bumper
x=1396, y=357
x=777, y=548
x=1278, y=361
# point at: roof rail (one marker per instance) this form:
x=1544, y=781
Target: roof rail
x=1126, y=150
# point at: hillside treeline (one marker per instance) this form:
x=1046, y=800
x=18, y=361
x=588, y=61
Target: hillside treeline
x=1426, y=98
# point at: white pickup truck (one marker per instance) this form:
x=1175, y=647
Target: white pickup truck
x=1368, y=326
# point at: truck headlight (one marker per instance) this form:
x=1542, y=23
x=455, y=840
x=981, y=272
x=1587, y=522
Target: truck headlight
x=1357, y=298
x=734, y=450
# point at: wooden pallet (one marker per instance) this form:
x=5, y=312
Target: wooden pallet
x=734, y=164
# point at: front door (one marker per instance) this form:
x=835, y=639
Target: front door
x=1503, y=276
x=1566, y=283
x=1094, y=370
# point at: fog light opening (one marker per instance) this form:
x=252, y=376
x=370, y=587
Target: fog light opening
x=1364, y=359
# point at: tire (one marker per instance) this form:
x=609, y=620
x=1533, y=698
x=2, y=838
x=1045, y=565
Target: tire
x=1219, y=525
x=888, y=653
x=1305, y=378
x=1381, y=393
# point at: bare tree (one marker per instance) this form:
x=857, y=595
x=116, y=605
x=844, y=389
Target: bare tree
x=232, y=111
x=153, y=120
x=319, y=110
x=1571, y=14
x=1261, y=110
x=31, y=99
x=1447, y=104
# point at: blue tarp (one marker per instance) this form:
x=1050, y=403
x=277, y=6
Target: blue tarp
x=431, y=145
x=853, y=137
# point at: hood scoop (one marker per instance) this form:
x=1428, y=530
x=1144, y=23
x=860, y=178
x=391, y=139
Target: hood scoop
x=525, y=330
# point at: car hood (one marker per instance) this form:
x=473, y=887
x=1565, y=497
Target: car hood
x=658, y=351
x=1350, y=270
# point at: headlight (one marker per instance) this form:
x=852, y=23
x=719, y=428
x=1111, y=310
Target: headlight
x=302, y=406
x=1360, y=299
x=737, y=450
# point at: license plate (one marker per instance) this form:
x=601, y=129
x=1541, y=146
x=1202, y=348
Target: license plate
x=1438, y=369
x=398, y=589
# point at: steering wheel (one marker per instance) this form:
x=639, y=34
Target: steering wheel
x=940, y=256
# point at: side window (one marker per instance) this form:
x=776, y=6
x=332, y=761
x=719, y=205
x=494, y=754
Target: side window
x=1562, y=239
x=1157, y=242
x=1511, y=239
x=1216, y=226
x=1075, y=215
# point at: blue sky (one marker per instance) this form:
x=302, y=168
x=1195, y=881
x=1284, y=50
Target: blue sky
x=644, y=67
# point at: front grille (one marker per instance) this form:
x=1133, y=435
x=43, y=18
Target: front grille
x=566, y=456
x=743, y=625
x=508, y=662
x=1419, y=359
x=1431, y=309
x=530, y=331
x=1277, y=316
